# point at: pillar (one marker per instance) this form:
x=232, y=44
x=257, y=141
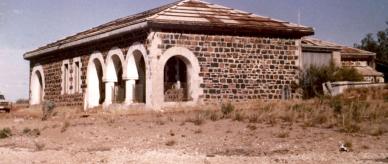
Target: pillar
x=109, y=86
x=129, y=91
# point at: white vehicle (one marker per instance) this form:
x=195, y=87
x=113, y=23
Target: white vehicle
x=4, y=104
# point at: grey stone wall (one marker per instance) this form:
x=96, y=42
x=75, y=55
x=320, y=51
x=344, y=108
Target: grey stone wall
x=239, y=68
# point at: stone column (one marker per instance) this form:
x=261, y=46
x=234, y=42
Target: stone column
x=109, y=86
x=129, y=91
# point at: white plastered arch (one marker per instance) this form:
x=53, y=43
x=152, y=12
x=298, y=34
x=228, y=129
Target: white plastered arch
x=193, y=69
x=37, y=85
x=92, y=96
x=130, y=69
x=111, y=72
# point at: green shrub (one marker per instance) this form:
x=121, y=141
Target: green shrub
x=5, y=133
x=313, y=78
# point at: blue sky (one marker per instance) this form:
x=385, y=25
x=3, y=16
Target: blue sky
x=28, y=24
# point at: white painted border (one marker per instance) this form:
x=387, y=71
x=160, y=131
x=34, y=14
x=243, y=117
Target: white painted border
x=33, y=77
x=95, y=55
x=110, y=70
x=193, y=67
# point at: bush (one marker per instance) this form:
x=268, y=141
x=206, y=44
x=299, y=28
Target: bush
x=198, y=119
x=226, y=109
x=336, y=105
x=238, y=116
x=347, y=74
x=47, y=109
x=5, y=133
x=313, y=78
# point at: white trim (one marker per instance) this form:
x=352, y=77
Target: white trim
x=33, y=87
x=91, y=97
x=87, y=39
x=193, y=69
x=65, y=82
x=111, y=74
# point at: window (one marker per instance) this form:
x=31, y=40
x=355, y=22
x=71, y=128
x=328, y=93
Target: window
x=71, y=76
x=65, y=77
x=77, y=82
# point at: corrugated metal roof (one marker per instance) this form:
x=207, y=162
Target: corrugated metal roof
x=187, y=13
x=309, y=42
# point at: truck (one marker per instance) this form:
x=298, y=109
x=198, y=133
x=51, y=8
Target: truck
x=4, y=104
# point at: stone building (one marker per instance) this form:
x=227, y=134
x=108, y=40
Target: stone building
x=318, y=52
x=189, y=52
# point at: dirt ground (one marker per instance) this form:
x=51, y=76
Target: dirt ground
x=148, y=137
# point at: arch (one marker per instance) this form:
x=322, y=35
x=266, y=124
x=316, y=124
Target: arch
x=130, y=71
x=95, y=91
x=114, y=76
x=115, y=57
x=192, y=66
x=37, y=85
x=136, y=66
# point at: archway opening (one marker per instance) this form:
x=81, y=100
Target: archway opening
x=37, y=88
x=176, y=80
x=140, y=87
x=118, y=92
x=96, y=88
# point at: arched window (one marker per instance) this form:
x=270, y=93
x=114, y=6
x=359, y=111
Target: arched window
x=175, y=80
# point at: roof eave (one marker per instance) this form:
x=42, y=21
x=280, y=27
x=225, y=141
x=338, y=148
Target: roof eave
x=36, y=53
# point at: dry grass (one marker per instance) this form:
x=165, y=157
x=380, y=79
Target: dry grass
x=65, y=126
x=39, y=146
x=282, y=134
x=170, y=143
x=353, y=112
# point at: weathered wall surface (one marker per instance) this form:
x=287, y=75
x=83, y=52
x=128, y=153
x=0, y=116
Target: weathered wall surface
x=240, y=68
x=52, y=64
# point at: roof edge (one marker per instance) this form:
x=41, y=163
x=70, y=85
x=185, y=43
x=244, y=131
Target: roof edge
x=36, y=53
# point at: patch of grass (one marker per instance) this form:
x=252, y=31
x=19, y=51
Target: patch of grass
x=214, y=116
x=348, y=144
x=26, y=130
x=170, y=143
x=226, y=109
x=5, y=133
x=65, y=126
x=47, y=109
x=351, y=128
x=377, y=131
x=251, y=127
x=283, y=134
x=198, y=131
x=160, y=121
x=39, y=146
x=238, y=116
x=198, y=119
x=254, y=118
x=336, y=105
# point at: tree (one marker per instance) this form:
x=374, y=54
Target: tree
x=379, y=46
